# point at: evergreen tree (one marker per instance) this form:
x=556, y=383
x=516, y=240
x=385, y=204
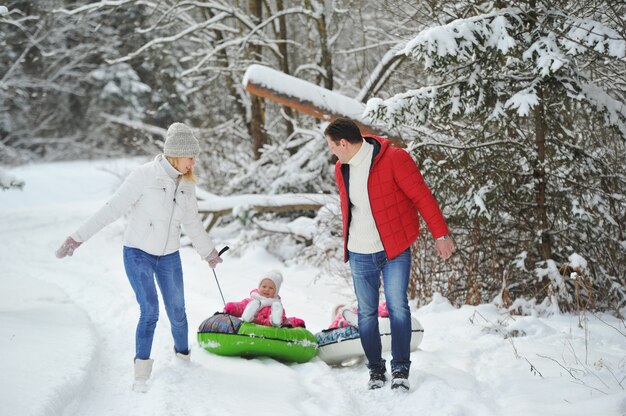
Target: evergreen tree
x=527, y=95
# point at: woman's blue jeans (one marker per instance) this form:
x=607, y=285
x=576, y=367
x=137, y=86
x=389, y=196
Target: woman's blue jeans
x=142, y=269
x=366, y=270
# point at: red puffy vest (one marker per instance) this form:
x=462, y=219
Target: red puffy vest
x=397, y=192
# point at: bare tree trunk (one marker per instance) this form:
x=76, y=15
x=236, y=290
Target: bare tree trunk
x=284, y=60
x=327, y=60
x=539, y=174
x=257, y=108
x=326, y=57
x=234, y=93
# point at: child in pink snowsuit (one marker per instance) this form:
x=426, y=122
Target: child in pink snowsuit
x=347, y=316
x=264, y=306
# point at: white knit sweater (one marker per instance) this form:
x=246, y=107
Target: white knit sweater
x=363, y=235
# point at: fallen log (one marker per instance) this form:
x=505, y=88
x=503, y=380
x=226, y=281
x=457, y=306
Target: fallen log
x=212, y=206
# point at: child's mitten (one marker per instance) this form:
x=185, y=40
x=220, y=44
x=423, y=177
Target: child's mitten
x=276, y=316
x=250, y=311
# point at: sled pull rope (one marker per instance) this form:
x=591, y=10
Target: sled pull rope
x=215, y=275
x=220, y=289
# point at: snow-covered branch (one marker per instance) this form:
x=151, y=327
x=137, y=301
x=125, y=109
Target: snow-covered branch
x=136, y=124
x=461, y=38
x=383, y=70
x=581, y=35
x=613, y=110
x=169, y=39
x=271, y=19
x=468, y=147
x=99, y=5
x=510, y=78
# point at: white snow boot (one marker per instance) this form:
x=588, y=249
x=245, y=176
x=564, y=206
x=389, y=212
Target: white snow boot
x=143, y=369
x=183, y=357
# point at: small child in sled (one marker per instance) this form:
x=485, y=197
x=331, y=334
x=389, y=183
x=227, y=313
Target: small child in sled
x=264, y=306
x=348, y=315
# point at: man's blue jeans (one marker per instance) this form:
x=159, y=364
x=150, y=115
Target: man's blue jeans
x=142, y=269
x=366, y=270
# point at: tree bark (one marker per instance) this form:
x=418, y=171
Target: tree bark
x=257, y=108
x=326, y=60
x=234, y=93
x=284, y=60
x=539, y=174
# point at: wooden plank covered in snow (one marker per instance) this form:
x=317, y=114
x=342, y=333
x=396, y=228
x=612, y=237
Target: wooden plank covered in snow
x=308, y=98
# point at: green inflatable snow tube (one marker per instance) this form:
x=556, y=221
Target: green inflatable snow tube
x=251, y=340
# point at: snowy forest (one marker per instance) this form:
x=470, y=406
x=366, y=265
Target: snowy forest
x=514, y=111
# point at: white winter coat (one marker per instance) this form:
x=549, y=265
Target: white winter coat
x=158, y=205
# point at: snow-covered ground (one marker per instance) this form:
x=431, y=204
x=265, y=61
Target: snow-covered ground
x=67, y=332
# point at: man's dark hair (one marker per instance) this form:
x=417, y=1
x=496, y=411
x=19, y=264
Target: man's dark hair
x=343, y=128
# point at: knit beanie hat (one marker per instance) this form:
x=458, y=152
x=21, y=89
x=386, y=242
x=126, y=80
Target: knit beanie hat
x=275, y=276
x=180, y=142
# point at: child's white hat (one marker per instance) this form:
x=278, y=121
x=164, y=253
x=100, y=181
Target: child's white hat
x=275, y=276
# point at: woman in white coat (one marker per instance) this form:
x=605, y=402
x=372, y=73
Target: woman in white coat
x=161, y=197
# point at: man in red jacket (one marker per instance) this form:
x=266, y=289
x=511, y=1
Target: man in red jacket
x=381, y=192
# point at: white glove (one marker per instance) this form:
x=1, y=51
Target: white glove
x=276, y=316
x=250, y=311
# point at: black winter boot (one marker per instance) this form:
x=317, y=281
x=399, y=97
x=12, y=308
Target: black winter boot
x=377, y=379
x=400, y=380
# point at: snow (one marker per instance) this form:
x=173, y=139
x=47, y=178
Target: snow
x=67, y=332
x=479, y=200
x=9, y=181
x=576, y=261
x=523, y=101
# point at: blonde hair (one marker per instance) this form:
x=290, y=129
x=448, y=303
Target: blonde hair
x=189, y=176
